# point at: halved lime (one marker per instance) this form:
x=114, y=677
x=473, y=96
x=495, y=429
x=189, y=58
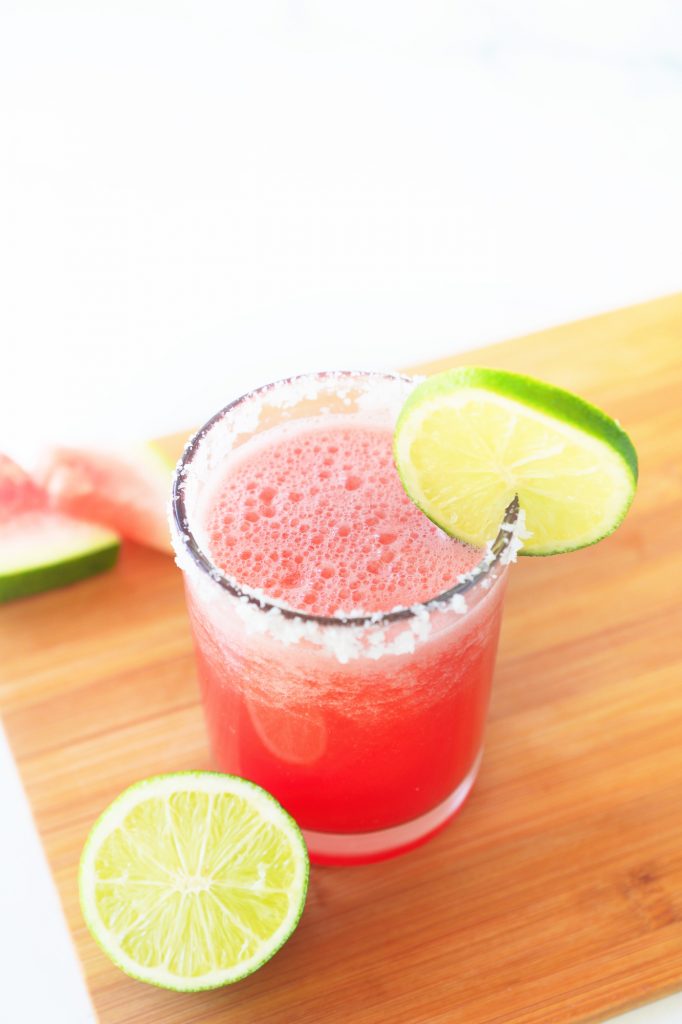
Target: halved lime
x=193, y=880
x=469, y=439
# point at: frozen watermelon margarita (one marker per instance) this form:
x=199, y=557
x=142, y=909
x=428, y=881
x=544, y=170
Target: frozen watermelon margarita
x=345, y=643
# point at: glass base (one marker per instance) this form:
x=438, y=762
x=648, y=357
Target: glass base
x=364, y=847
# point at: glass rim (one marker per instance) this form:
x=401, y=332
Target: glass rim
x=180, y=521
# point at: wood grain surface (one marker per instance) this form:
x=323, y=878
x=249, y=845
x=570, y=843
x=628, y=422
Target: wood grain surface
x=556, y=896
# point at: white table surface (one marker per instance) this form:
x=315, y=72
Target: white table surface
x=196, y=198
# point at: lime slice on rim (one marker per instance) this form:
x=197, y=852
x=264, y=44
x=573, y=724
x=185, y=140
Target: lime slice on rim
x=193, y=880
x=469, y=439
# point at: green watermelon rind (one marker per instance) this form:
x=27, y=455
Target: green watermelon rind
x=88, y=558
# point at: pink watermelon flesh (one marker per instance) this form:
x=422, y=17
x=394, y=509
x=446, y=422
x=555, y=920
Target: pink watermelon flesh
x=39, y=548
x=127, y=492
x=18, y=493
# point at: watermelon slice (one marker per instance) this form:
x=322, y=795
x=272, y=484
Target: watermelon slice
x=126, y=490
x=18, y=493
x=41, y=549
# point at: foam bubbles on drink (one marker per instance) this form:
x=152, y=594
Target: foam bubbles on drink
x=319, y=520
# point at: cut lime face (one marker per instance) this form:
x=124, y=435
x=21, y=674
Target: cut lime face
x=469, y=439
x=193, y=880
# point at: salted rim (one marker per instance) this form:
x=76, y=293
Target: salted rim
x=203, y=562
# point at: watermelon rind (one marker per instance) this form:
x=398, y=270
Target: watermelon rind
x=42, y=550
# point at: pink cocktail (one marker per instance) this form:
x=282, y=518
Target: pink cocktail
x=345, y=646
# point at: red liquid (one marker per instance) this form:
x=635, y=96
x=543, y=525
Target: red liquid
x=318, y=519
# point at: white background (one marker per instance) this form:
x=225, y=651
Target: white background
x=198, y=197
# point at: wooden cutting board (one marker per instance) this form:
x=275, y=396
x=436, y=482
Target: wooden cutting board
x=556, y=896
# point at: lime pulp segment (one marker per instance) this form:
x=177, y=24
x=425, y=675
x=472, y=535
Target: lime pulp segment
x=469, y=439
x=193, y=880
